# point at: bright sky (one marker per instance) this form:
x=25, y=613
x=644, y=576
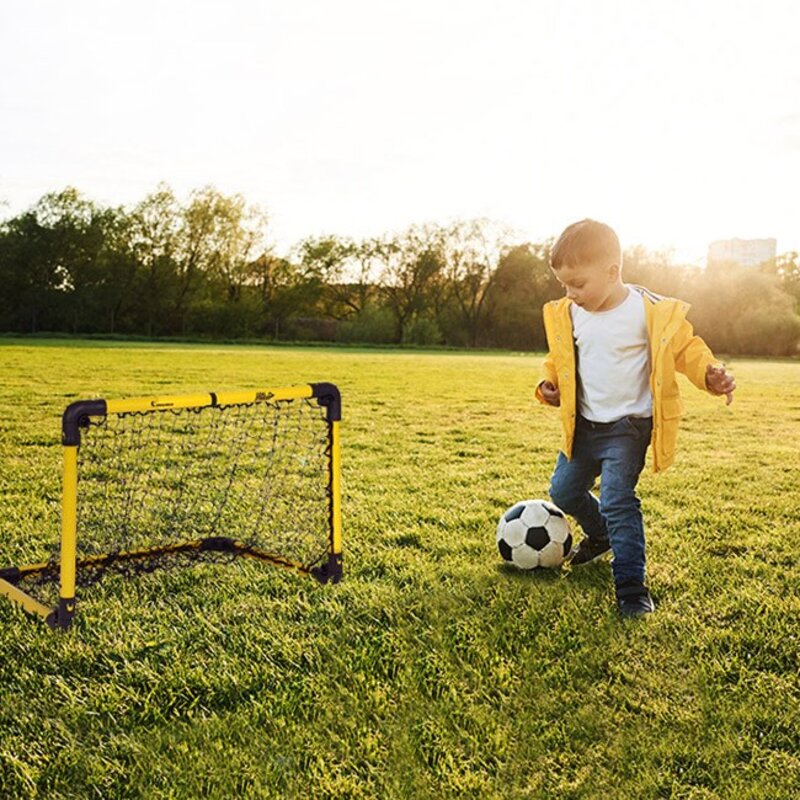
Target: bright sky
x=676, y=122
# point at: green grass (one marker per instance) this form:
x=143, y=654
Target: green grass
x=430, y=671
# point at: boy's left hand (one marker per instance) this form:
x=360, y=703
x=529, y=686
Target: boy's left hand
x=720, y=382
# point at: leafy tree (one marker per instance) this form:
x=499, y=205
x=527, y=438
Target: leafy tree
x=195, y=257
x=786, y=267
x=53, y=263
x=521, y=284
x=344, y=268
x=656, y=271
x=285, y=290
x=28, y=275
x=741, y=310
x=411, y=272
x=156, y=242
x=80, y=232
x=471, y=250
x=220, y=237
x=374, y=324
x=116, y=298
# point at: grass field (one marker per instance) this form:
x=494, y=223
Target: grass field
x=431, y=671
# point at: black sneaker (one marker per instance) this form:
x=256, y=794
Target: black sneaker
x=588, y=550
x=634, y=600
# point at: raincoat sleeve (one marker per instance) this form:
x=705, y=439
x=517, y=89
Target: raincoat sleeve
x=549, y=374
x=692, y=355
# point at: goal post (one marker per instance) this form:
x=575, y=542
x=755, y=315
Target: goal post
x=163, y=481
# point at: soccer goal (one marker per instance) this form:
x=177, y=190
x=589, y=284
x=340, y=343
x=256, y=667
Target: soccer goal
x=159, y=482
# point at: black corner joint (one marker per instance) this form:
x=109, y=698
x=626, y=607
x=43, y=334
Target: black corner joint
x=11, y=574
x=330, y=571
x=76, y=417
x=60, y=618
x=327, y=395
x=219, y=544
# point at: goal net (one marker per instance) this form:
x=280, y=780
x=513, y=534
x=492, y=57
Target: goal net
x=161, y=482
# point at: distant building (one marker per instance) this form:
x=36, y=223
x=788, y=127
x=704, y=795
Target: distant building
x=746, y=252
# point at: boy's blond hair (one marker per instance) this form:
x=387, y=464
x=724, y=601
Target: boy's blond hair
x=586, y=242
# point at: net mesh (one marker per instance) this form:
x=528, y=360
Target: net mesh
x=161, y=488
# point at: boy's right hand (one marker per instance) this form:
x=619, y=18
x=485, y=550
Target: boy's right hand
x=551, y=393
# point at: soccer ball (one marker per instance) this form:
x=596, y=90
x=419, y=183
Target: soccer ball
x=533, y=533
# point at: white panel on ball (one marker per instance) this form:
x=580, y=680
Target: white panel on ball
x=514, y=532
x=525, y=557
x=535, y=514
x=558, y=528
x=551, y=555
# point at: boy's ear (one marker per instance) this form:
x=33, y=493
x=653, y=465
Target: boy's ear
x=614, y=272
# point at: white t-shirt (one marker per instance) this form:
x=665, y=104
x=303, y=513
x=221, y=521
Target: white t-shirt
x=613, y=361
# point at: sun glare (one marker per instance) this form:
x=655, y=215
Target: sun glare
x=678, y=124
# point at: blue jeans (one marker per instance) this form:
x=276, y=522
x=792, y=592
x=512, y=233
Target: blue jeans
x=615, y=452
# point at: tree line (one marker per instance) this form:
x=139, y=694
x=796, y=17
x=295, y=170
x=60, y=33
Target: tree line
x=205, y=268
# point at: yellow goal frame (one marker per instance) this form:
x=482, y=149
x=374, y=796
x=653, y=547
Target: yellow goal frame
x=77, y=416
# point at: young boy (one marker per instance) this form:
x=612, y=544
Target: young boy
x=614, y=350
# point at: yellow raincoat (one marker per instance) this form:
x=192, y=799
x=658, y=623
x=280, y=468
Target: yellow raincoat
x=673, y=346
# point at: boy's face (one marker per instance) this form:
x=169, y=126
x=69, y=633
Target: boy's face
x=591, y=286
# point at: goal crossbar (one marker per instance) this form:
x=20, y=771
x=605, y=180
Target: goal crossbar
x=70, y=565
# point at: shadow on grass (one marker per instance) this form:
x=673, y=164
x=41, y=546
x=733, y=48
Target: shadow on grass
x=597, y=574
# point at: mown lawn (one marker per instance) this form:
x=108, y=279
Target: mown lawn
x=431, y=671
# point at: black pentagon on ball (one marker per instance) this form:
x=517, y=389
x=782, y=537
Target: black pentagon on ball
x=515, y=512
x=537, y=538
x=567, y=545
x=505, y=549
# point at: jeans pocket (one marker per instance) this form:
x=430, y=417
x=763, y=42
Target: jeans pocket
x=641, y=427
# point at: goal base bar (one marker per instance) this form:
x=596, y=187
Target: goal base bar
x=61, y=616
x=30, y=604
